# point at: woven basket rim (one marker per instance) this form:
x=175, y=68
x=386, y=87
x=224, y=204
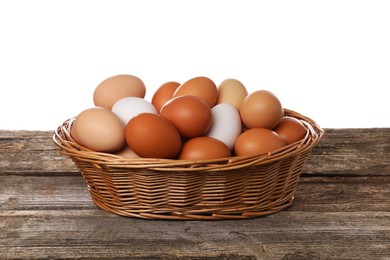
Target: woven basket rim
x=68, y=146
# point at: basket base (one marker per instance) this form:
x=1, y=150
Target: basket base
x=195, y=215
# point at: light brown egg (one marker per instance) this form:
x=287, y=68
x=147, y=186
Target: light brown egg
x=73, y=134
x=152, y=136
x=202, y=87
x=290, y=129
x=257, y=141
x=231, y=91
x=116, y=87
x=204, y=148
x=127, y=152
x=191, y=115
x=261, y=109
x=99, y=129
x=163, y=94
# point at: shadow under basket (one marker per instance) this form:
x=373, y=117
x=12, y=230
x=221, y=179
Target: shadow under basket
x=227, y=188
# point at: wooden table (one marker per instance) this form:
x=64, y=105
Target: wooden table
x=341, y=210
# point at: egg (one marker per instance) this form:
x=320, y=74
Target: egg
x=226, y=125
x=73, y=134
x=127, y=152
x=204, y=148
x=202, y=87
x=191, y=115
x=261, y=109
x=291, y=129
x=231, y=91
x=257, y=141
x=128, y=107
x=116, y=87
x=163, y=94
x=152, y=136
x=99, y=129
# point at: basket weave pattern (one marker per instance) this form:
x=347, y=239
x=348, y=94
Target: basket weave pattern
x=226, y=188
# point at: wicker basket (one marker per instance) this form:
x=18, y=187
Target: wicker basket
x=228, y=188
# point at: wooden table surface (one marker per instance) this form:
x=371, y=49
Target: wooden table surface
x=341, y=209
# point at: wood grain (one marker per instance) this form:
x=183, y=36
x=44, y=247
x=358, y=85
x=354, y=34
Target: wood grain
x=318, y=194
x=341, y=151
x=352, y=151
x=85, y=233
x=341, y=210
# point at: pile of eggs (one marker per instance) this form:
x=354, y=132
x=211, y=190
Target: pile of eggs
x=194, y=120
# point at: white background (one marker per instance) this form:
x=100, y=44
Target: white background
x=329, y=60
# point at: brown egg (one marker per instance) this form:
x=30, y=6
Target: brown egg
x=116, y=87
x=291, y=129
x=261, y=109
x=257, y=141
x=99, y=129
x=73, y=134
x=231, y=91
x=152, y=136
x=191, y=115
x=204, y=148
x=163, y=94
x=202, y=87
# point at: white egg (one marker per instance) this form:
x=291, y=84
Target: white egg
x=128, y=107
x=226, y=125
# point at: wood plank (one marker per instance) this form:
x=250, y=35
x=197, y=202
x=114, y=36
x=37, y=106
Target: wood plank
x=44, y=192
x=343, y=194
x=82, y=234
x=352, y=151
x=28, y=152
x=341, y=151
x=320, y=194
x=332, y=216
